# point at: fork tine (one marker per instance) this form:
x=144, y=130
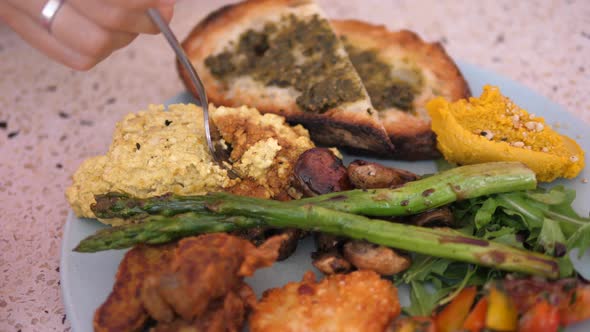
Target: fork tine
x=212, y=133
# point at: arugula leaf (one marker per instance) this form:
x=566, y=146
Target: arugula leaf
x=550, y=236
x=554, y=196
x=424, y=298
x=470, y=273
x=424, y=268
x=433, y=279
x=507, y=235
x=516, y=203
x=423, y=302
x=502, y=231
x=566, y=268
x=580, y=240
x=537, y=220
x=484, y=214
x=511, y=240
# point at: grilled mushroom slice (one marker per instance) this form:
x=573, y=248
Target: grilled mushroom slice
x=318, y=171
x=367, y=256
x=369, y=175
x=328, y=242
x=330, y=262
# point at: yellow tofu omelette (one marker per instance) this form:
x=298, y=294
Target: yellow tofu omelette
x=160, y=151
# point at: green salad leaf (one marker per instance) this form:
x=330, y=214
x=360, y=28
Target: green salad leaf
x=580, y=240
x=541, y=220
x=551, y=237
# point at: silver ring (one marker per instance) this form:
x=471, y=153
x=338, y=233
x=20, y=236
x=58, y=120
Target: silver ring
x=48, y=12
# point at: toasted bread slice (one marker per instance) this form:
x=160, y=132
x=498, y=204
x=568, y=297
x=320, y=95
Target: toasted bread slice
x=281, y=56
x=424, y=67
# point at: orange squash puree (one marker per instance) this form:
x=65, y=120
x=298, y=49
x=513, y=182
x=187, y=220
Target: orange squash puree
x=493, y=128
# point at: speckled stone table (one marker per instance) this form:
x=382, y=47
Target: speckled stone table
x=51, y=117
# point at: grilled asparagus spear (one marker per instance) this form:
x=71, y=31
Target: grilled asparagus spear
x=182, y=216
x=414, y=197
x=230, y=212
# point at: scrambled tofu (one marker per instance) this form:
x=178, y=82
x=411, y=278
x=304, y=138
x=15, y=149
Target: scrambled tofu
x=156, y=152
x=359, y=301
x=493, y=128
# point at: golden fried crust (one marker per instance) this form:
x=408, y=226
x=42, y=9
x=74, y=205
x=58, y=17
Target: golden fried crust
x=359, y=301
x=410, y=133
x=203, y=271
x=206, y=268
x=243, y=132
x=196, y=284
x=225, y=315
x=123, y=310
x=354, y=129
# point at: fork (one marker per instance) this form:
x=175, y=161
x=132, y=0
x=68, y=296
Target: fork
x=213, y=136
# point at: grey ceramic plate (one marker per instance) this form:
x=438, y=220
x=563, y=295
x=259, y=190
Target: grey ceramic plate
x=87, y=279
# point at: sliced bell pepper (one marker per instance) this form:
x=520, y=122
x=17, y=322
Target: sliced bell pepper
x=451, y=318
x=541, y=317
x=501, y=314
x=578, y=308
x=476, y=320
x=414, y=324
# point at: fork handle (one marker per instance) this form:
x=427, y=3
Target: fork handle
x=180, y=54
x=185, y=62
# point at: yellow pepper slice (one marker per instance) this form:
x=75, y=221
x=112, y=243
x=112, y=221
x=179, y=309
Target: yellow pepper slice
x=501, y=314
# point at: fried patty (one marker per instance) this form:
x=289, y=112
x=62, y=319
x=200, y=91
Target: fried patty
x=359, y=301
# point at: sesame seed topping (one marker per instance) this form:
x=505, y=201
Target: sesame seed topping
x=532, y=116
x=545, y=149
x=531, y=125
x=518, y=144
x=539, y=126
x=574, y=159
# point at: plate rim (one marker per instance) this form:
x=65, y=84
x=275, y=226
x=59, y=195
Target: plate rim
x=464, y=66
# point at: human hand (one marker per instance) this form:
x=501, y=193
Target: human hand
x=83, y=32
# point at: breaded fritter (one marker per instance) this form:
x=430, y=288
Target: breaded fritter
x=195, y=285
x=204, y=269
x=359, y=301
x=123, y=310
x=225, y=315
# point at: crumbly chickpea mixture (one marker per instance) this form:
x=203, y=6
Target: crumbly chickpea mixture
x=158, y=151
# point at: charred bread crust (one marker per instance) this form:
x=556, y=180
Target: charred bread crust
x=351, y=135
x=409, y=132
x=358, y=130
